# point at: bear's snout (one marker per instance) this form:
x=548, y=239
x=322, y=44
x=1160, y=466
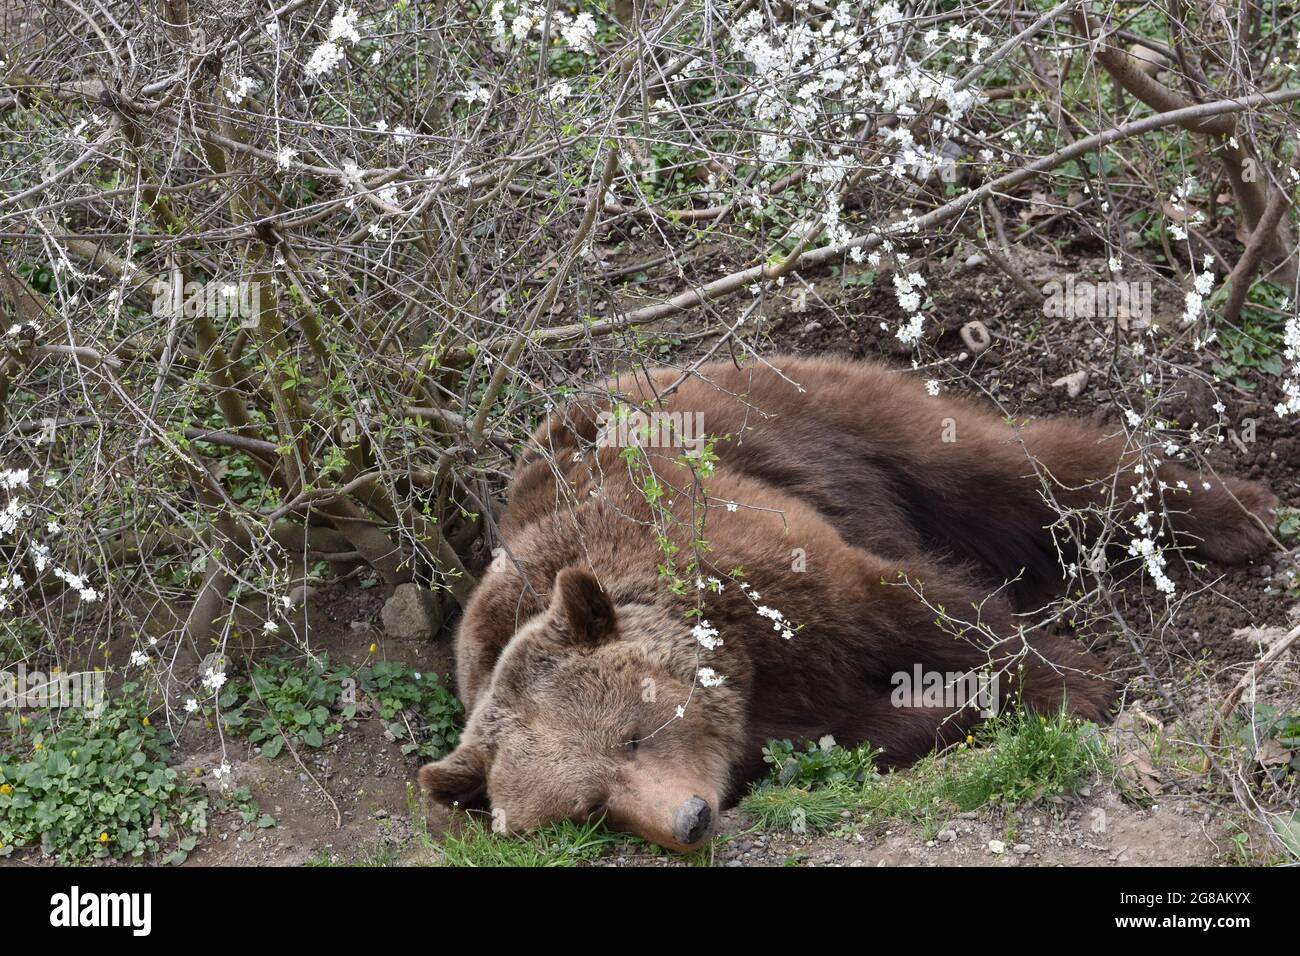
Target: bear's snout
x=691, y=821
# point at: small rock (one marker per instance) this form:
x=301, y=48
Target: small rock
x=1020, y=849
x=410, y=614
x=947, y=836
x=976, y=336
x=997, y=846
x=301, y=595
x=1074, y=383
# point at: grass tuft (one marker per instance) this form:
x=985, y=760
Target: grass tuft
x=1015, y=759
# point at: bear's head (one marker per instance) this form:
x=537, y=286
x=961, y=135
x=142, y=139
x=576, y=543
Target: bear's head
x=592, y=712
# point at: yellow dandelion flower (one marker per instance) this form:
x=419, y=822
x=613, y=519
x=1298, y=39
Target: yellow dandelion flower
x=373, y=648
x=6, y=789
x=145, y=721
x=970, y=738
x=103, y=837
x=39, y=746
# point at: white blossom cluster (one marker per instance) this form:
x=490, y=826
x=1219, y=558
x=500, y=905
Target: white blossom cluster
x=1146, y=543
x=1202, y=286
x=14, y=481
x=578, y=32
x=813, y=83
x=1290, y=404
x=343, y=28
x=707, y=635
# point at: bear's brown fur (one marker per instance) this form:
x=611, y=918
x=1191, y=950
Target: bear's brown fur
x=855, y=509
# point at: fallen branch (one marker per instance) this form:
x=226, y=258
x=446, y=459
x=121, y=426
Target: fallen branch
x=1274, y=654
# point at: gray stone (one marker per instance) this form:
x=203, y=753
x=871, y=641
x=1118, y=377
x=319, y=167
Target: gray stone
x=301, y=595
x=410, y=614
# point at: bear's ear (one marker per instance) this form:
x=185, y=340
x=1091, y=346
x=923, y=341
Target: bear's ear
x=460, y=777
x=580, y=608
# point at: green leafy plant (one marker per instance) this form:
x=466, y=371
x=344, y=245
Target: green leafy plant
x=1270, y=722
x=245, y=804
x=419, y=710
x=820, y=765
x=286, y=699
x=90, y=787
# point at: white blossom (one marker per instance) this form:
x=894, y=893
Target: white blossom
x=706, y=634
x=709, y=677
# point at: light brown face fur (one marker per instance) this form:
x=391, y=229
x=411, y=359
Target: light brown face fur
x=580, y=721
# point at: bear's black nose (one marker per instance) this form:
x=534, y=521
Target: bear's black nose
x=691, y=821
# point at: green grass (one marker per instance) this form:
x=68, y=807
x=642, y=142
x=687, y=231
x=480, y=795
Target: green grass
x=1011, y=761
x=469, y=841
x=799, y=809
x=1025, y=758
x=473, y=843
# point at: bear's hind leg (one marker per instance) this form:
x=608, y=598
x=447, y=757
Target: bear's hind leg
x=928, y=624
x=1224, y=518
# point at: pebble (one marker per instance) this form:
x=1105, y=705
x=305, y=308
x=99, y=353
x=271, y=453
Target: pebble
x=947, y=836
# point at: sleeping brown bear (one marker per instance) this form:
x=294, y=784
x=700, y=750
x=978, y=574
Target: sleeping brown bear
x=667, y=604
